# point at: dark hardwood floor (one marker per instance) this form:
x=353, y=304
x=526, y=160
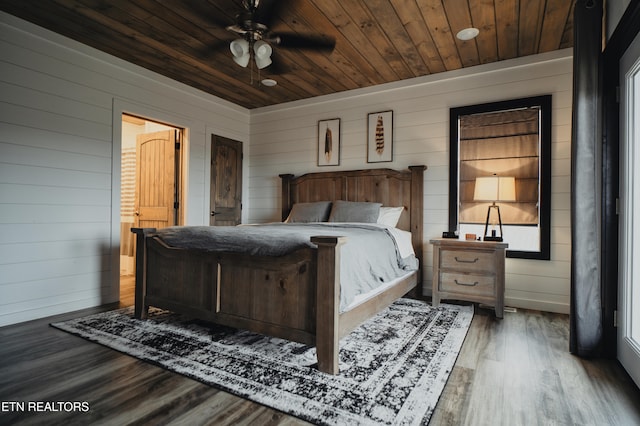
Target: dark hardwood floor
x=515, y=371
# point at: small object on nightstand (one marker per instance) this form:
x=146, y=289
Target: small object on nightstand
x=469, y=270
x=449, y=234
x=470, y=237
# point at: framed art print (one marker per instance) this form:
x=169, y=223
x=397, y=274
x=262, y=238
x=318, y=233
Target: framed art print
x=380, y=137
x=329, y=142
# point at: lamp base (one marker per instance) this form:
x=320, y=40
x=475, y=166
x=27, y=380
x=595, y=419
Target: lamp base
x=493, y=236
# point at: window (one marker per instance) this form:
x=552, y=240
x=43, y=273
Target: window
x=505, y=139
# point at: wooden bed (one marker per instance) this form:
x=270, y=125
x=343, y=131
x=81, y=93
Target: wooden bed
x=294, y=297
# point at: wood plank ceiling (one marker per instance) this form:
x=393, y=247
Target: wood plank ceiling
x=377, y=41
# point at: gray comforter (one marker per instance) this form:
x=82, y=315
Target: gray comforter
x=369, y=258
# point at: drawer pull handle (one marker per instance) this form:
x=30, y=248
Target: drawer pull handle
x=466, y=284
x=466, y=261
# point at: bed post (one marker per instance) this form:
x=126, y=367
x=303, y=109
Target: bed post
x=286, y=195
x=416, y=214
x=328, y=302
x=141, y=307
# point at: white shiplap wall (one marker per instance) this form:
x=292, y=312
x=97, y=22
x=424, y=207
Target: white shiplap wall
x=284, y=140
x=60, y=107
x=60, y=104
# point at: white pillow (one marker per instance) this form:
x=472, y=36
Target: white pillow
x=390, y=215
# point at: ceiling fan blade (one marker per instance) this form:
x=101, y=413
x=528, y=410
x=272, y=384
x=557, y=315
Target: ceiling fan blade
x=212, y=48
x=298, y=41
x=277, y=66
x=267, y=10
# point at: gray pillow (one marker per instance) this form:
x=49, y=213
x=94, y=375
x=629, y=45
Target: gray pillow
x=354, y=211
x=309, y=212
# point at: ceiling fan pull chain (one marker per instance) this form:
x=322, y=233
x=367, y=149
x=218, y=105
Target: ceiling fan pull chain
x=252, y=64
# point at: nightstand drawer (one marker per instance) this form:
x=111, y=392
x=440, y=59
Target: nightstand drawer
x=467, y=260
x=470, y=284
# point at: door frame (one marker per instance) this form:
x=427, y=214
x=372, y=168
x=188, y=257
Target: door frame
x=618, y=43
x=629, y=349
x=121, y=106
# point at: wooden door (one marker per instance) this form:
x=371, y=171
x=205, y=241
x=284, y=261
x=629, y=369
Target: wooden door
x=226, y=181
x=155, y=198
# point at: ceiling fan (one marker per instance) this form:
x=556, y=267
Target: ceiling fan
x=256, y=40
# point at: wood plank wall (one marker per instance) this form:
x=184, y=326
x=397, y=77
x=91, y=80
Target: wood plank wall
x=284, y=140
x=59, y=225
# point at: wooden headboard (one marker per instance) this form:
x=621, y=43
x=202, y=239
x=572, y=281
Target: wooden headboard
x=392, y=188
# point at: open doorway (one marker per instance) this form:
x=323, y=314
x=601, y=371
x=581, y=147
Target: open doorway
x=150, y=188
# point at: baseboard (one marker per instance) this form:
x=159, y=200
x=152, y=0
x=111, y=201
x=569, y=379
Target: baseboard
x=537, y=305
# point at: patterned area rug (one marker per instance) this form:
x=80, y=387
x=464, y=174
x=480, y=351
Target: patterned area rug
x=392, y=368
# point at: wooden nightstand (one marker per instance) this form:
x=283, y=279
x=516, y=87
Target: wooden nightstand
x=469, y=270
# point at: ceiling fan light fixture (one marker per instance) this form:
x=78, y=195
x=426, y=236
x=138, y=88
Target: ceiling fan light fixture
x=240, y=51
x=468, y=34
x=262, y=51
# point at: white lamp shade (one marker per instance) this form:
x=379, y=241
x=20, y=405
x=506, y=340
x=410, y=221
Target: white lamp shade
x=240, y=51
x=263, y=52
x=495, y=188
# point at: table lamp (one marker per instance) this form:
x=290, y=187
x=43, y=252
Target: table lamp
x=494, y=188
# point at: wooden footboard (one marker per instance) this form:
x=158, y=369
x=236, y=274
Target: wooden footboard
x=294, y=297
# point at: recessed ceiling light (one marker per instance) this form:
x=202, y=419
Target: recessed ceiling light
x=468, y=33
x=269, y=82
